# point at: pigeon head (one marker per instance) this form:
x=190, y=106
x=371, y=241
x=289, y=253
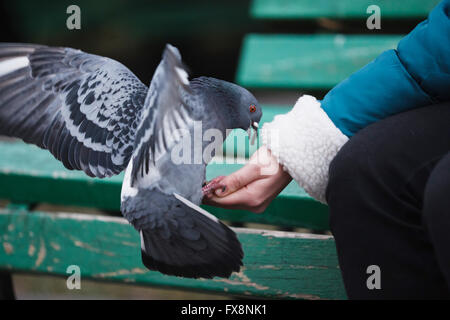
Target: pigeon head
x=237, y=107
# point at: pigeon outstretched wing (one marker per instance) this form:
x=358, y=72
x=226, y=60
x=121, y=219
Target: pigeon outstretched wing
x=168, y=112
x=83, y=108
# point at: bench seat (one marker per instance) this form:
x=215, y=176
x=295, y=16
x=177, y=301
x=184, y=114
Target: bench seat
x=277, y=264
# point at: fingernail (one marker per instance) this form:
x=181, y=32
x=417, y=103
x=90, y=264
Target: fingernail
x=220, y=191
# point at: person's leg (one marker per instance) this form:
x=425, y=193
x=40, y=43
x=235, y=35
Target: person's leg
x=436, y=213
x=375, y=195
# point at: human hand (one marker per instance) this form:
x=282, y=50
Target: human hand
x=250, y=188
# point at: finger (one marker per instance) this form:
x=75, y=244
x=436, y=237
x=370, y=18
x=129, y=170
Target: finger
x=237, y=200
x=210, y=187
x=238, y=179
x=243, y=199
x=258, y=193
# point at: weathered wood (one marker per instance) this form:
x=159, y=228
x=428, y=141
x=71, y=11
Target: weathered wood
x=277, y=264
x=31, y=175
x=306, y=61
x=308, y=9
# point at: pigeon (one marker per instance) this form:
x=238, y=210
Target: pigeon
x=93, y=114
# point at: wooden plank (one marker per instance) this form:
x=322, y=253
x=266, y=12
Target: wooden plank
x=310, y=9
x=31, y=175
x=306, y=61
x=277, y=264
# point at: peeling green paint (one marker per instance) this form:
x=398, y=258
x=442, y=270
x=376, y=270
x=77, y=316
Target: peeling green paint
x=295, y=267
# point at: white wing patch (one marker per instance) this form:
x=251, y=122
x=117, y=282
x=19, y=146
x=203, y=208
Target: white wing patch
x=195, y=207
x=142, y=241
x=127, y=189
x=14, y=64
x=182, y=74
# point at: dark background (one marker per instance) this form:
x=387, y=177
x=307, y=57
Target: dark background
x=208, y=33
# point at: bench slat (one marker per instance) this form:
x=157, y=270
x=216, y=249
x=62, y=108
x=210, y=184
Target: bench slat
x=308, y=9
x=31, y=175
x=277, y=264
x=306, y=61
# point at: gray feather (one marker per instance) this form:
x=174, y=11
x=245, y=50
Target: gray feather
x=160, y=198
x=70, y=103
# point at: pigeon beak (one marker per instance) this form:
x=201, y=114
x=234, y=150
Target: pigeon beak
x=254, y=126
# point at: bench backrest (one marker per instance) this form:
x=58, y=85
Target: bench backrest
x=342, y=9
x=321, y=60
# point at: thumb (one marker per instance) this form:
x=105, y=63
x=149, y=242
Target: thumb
x=239, y=179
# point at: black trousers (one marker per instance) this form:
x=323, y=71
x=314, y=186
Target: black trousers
x=389, y=200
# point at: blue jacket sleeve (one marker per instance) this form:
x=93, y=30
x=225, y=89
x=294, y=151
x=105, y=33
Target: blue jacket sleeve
x=415, y=75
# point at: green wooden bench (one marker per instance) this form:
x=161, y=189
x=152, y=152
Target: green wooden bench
x=342, y=9
x=277, y=264
x=306, y=61
x=317, y=61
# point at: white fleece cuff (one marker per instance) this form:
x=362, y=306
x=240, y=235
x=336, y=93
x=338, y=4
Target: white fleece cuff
x=305, y=141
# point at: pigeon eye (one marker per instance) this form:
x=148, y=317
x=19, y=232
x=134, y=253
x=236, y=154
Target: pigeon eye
x=252, y=108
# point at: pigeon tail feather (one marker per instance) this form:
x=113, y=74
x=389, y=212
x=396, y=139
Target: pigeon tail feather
x=190, y=244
